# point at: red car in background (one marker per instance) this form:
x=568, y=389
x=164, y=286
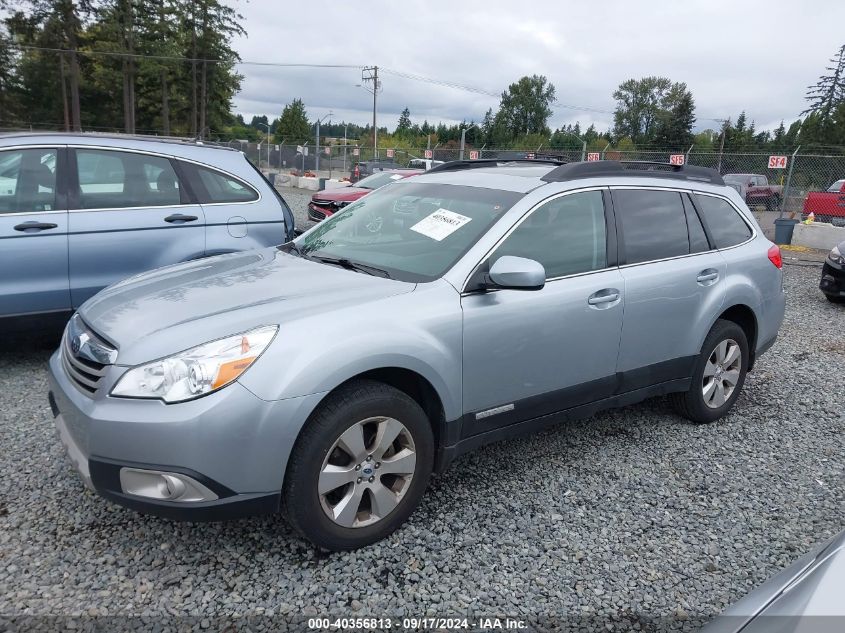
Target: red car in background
x=827, y=206
x=328, y=202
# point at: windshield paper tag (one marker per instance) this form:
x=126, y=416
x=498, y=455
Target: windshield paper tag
x=440, y=224
x=396, y=176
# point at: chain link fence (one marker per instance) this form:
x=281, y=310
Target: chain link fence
x=789, y=188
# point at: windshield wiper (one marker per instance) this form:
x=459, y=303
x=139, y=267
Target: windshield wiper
x=350, y=265
x=293, y=246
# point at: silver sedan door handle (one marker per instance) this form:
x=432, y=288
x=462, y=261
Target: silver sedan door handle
x=603, y=297
x=706, y=276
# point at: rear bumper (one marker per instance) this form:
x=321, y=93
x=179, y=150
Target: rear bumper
x=832, y=282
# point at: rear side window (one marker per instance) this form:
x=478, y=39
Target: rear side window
x=27, y=180
x=115, y=180
x=654, y=225
x=566, y=235
x=726, y=226
x=217, y=187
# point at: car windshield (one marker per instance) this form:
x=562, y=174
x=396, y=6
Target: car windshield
x=836, y=187
x=377, y=180
x=411, y=231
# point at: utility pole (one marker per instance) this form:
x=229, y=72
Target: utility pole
x=368, y=75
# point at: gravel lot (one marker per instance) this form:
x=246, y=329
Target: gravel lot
x=633, y=514
x=297, y=200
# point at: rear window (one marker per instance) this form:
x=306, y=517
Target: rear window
x=726, y=226
x=216, y=187
x=654, y=225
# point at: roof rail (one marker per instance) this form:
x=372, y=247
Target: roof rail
x=596, y=169
x=458, y=165
x=179, y=140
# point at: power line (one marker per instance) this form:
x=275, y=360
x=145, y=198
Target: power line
x=121, y=55
x=398, y=73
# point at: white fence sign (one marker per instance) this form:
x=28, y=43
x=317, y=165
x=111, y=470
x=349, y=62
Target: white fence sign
x=677, y=159
x=593, y=156
x=777, y=162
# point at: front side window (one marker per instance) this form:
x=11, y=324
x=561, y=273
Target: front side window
x=726, y=227
x=654, y=225
x=116, y=180
x=27, y=180
x=566, y=235
x=409, y=231
x=220, y=188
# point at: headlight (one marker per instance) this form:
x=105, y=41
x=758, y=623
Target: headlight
x=836, y=256
x=196, y=371
x=340, y=204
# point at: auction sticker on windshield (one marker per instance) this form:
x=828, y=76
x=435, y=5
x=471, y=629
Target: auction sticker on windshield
x=440, y=224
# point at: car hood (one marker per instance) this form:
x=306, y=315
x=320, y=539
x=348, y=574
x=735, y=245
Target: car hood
x=342, y=195
x=171, y=309
x=807, y=592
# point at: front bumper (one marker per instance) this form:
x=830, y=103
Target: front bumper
x=833, y=280
x=231, y=441
x=318, y=213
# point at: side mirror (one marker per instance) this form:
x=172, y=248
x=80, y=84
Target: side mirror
x=517, y=273
x=297, y=232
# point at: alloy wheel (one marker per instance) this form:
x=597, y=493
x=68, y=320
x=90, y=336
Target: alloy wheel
x=367, y=472
x=721, y=373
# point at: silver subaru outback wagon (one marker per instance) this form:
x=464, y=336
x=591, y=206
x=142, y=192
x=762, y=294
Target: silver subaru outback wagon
x=81, y=211
x=469, y=304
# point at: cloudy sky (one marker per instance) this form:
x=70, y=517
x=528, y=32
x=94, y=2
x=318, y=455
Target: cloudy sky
x=731, y=54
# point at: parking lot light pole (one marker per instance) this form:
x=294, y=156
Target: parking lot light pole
x=463, y=138
x=267, y=125
x=317, y=144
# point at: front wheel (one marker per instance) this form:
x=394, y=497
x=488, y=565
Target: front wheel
x=718, y=375
x=360, y=466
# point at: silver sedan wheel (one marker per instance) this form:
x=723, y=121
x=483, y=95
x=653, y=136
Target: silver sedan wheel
x=721, y=373
x=367, y=472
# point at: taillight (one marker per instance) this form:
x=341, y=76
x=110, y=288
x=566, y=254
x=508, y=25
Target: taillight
x=775, y=256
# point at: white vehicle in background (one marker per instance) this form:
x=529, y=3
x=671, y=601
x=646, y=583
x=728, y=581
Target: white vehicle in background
x=423, y=163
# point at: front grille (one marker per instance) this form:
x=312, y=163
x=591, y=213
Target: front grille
x=323, y=203
x=316, y=215
x=84, y=372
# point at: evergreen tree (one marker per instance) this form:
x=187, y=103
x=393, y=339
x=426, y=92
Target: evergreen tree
x=293, y=124
x=829, y=90
x=404, y=125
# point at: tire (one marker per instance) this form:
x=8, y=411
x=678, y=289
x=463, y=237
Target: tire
x=694, y=404
x=324, y=478
x=833, y=299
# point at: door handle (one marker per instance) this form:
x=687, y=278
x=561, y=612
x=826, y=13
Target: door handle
x=178, y=218
x=32, y=226
x=603, y=297
x=706, y=276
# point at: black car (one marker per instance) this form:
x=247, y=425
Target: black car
x=369, y=167
x=833, y=275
